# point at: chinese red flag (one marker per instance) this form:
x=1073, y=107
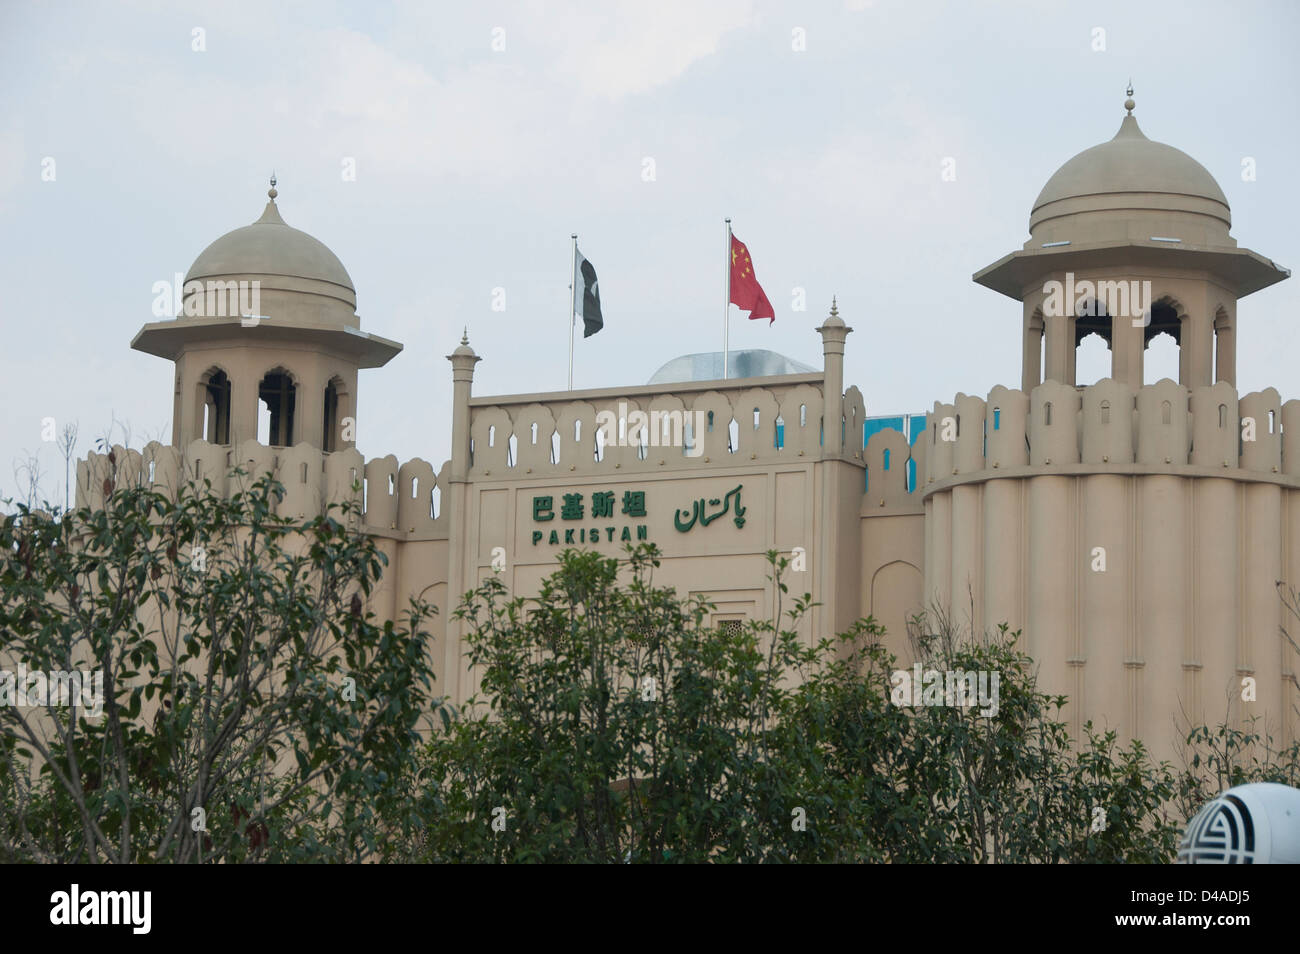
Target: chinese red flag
x=745, y=290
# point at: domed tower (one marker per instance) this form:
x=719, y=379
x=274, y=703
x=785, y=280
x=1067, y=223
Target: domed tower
x=1134, y=533
x=268, y=316
x=1129, y=239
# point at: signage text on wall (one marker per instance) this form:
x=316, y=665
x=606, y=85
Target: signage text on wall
x=604, y=505
x=573, y=508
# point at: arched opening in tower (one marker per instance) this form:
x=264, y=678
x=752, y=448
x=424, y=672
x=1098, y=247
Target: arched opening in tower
x=1162, y=341
x=1092, y=344
x=216, y=408
x=277, y=396
x=1224, y=348
x=336, y=431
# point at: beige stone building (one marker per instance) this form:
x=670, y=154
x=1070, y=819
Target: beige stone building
x=1135, y=533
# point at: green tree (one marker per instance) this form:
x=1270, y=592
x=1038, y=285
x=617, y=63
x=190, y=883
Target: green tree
x=612, y=724
x=244, y=685
x=615, y=724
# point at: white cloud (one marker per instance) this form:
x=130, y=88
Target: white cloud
x=604, y=51
x=635, y=47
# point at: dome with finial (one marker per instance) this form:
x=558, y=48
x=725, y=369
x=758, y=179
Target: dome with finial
x=1135, y=182
x=463, y=348
x=834, y=320
x=278, y=254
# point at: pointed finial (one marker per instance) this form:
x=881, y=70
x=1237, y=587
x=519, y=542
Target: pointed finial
x=834, y=324
x=1128, y=103
x=464, y=338
x=271, y=192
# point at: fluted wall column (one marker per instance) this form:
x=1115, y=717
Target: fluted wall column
x=1051, y=565
x=834, y=332
x=1261, y=607
x=461, y=573
x=1002, y=569
x=1164, y=542
x=938, y=565
x=462, y=361
x=1290, y=657
x=1104, y=649
x=1216, y=616
x=831, y=614
x=967, y=584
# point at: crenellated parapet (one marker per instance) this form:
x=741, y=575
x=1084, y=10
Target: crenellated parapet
x=400, y=501
x=1108, y=426
x=887, y=454
x=643, y=429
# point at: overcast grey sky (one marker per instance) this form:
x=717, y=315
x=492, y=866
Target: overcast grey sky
x=474, y=165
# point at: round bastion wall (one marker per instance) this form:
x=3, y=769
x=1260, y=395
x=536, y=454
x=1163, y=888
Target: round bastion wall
x=1136, y=537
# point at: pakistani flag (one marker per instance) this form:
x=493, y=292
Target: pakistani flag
x=586, y=295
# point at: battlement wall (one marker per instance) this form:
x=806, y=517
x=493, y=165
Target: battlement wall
x=1106, y=424
x=640, y=429
x=403, y=499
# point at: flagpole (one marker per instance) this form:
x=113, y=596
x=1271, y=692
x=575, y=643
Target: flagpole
x=573, y=304
x=726, y=304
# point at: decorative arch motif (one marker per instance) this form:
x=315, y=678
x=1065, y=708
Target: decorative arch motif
x=535, y=428
x=415, y=481
x=1092, y=317
x=713, y=412
x=212, y=405
x=277, y=388
x=338, y=427
x=490, y=436
x=1167, y=317
x=576, y=426
x=801, y=409
x=380, y=502
x=855, y=417
x=668, y=429
x=1225, y=346
x=757, y=441
x=300, y=471
x=343, y=469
